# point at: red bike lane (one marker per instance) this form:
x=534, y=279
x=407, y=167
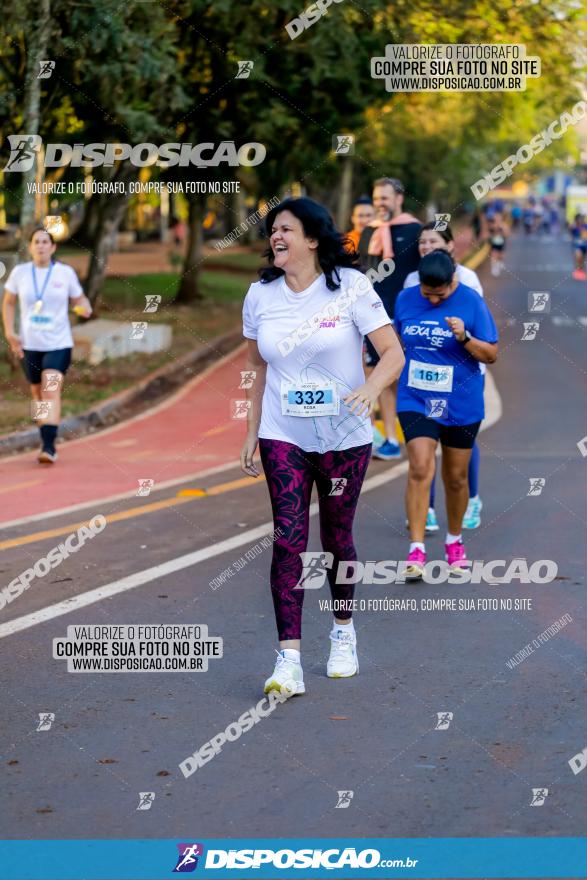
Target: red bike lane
x=190, y=433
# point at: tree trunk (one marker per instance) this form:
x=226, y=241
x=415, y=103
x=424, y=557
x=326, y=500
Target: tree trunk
x=109, y=220
x=2, y=202
x=232, y=217
x=164, y=214
x=109, y=215
x=188, y=290
x=88, y=228
x=343, y=214
x=37, y=52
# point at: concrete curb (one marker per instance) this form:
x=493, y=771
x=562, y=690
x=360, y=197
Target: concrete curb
x=156, y=385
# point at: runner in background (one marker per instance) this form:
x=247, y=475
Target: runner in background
x=528, y=218
x=578, y=232
x=499, y=206
x=545, y=222
x=489, y=212
x=447, y=330
x=435, y=239
x=516, y=215
x=498, y=232
x=363, y=214
x=309, y=413
x=44, y=289
x=538, y=217
x=554, y=219
x=476, y=224
x=392, y=235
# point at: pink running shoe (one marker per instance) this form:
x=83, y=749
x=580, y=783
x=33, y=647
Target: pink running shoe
x=579, y=275
x=416, y=561
x=456, y=555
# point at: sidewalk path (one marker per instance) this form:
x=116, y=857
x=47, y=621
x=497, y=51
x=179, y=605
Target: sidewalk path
x=137, y=259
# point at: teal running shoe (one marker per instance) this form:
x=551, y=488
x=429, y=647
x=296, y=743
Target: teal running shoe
x=431, y=521
x=378, y=438
x=472, y=517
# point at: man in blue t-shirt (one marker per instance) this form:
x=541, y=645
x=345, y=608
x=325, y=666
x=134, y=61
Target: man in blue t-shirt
x=447, y=330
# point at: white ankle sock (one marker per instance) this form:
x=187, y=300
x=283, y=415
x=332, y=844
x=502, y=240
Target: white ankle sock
x=452, y=539
x=291, y=654
x=416, y=545
x=349, y=626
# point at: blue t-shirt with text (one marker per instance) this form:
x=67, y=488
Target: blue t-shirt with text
x=428, y=340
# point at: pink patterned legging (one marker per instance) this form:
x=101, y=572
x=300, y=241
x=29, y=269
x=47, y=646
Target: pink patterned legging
x=290, y=474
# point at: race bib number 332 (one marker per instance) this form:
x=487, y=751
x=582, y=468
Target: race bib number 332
x=309, y=399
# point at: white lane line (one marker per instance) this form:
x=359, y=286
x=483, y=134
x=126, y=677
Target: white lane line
x=494, y=411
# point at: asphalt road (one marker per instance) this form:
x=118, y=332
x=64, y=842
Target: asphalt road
x=513, y=729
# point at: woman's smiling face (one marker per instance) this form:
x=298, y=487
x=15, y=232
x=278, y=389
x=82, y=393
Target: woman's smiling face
x=431, y=240
x=291, y=249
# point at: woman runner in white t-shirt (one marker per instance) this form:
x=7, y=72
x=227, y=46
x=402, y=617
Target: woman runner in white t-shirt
x=43, y=288
x=432, y=239
x=309, y=411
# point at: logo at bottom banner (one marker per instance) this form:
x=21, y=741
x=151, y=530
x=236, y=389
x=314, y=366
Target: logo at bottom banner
x=187, y=860
x=281, y=858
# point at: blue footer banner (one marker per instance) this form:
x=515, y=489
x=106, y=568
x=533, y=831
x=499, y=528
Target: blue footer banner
x=297, y=857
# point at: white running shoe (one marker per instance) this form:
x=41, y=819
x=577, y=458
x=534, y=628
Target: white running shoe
x=343, y=661
x=287, y=678
x=47, y=456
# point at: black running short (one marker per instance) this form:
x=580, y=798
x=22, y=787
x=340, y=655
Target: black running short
x=34, y=362
x=415, y=424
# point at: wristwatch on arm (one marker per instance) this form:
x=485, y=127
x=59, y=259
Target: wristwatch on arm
x=466, y=338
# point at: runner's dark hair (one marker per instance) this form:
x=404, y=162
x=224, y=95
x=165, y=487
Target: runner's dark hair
x=436, y=268
x=317, y=223
x=41, y=229
x=445, y=234
x=363, y=200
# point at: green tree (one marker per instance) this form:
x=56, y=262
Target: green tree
x=299, y=94
x=115, y=80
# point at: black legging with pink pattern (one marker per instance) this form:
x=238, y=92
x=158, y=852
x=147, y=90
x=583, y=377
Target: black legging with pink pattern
x=290, y=474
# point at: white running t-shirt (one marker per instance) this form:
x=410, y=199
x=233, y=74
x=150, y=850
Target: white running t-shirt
x=49, y=329
x=313, y=336
x=465, y=275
